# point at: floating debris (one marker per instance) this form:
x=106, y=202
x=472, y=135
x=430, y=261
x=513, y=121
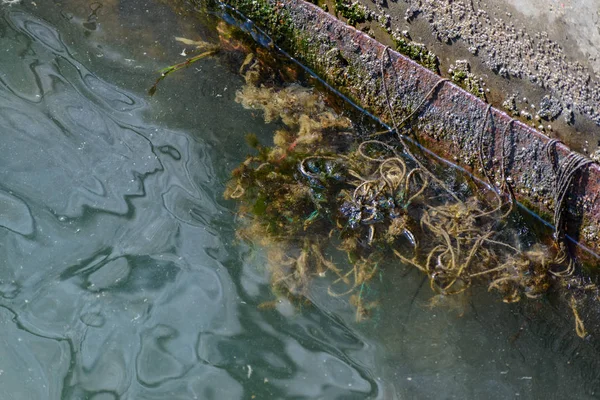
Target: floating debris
x=208, y=50
x=199, y=44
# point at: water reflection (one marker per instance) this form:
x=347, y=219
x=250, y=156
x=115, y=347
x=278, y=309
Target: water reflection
x=115, y=239
x=122, y=278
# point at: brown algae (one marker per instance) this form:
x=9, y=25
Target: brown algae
x=320, y=187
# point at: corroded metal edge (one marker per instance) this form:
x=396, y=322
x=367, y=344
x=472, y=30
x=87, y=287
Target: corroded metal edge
x=450, y=123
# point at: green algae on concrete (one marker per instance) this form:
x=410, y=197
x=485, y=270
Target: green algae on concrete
x=461, y=75
x=272, y=17
x=417, y=52
x=353, y=12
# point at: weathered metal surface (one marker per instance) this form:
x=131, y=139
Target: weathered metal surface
x=450, y=122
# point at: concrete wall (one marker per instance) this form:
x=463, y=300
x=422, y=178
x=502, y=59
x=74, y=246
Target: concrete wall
x=524, y=50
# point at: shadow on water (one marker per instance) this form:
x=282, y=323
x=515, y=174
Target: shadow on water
x=122, y=277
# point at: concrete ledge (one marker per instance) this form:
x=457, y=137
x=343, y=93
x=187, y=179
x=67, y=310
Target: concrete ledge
x=450, y=122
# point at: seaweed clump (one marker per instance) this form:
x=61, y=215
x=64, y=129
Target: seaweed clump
x=320, y=188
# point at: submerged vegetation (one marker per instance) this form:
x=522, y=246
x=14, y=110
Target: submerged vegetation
x=320, y=189
x=323, y=189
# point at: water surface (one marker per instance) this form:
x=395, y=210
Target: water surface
x=121, y=276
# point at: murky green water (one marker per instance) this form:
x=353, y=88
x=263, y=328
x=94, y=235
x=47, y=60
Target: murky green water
x=120, y=274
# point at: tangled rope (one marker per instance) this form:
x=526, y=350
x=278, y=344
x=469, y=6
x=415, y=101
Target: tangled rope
x=564, y=174
x=408, y=118
x=568, y=168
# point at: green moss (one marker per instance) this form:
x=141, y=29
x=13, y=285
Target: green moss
x=462, y=76
x=459, y=76
x=305, y=48
x=418, y=52
x=353, y=12
x=545, y=215
x=272, y=17
x=470, y=84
